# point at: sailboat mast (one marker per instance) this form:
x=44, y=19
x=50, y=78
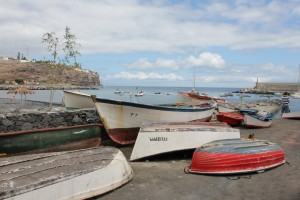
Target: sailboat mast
x=299, y=79
x=194, y=75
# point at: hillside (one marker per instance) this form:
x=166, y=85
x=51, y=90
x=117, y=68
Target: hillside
x=33, y=73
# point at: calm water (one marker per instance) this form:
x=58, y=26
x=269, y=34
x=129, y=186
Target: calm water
x=167, y=95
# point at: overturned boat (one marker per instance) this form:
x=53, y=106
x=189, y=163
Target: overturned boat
x=156, y=138
x=122, y=120
x=236, y=156
x=76, y=174
x=50, y=139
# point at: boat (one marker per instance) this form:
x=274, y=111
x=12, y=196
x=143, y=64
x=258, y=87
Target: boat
x=258, y=120
x=78, y=174
x=156, y=138
x=117, y=91
x=77, y=100
x=232, y=119
x=140, y=94
x=50, y=139
x=236, y=156
x=122, y=120
x=292, y=115
x=194, y=96
x=222, y=108
x=250, y=111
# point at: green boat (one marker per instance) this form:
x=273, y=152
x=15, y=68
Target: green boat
x=50, y=139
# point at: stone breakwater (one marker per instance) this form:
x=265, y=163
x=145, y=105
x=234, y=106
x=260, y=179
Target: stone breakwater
x=36, y=120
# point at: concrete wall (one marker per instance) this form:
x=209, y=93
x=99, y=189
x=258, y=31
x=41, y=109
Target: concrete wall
x=36, y=120
x=277, y=87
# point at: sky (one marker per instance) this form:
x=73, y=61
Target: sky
x=173, y=43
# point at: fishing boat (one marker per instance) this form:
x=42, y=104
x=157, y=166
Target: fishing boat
x=232, y=119
x=194, y=96
x=117, y=91
x=156, y=138
x=292, y=115
x=249, y=111
x=50, y=139
x=79, y=174
x=77, y=100
x=140, y=94
x=122, y=120
x=235, y=156
x=223, y=108
x=257, y=120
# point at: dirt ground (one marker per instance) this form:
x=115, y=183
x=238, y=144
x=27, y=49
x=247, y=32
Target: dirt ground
x=163, y=177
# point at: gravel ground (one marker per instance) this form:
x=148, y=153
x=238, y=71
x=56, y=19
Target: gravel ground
x=162, y=177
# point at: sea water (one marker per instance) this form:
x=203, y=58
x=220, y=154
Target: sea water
x=153, y=95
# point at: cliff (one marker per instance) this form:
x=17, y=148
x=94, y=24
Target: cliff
x=33, y=73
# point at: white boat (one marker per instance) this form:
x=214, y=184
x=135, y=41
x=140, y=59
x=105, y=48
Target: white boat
x=225, y=108
x=296, y=95
x=157, y=138
x=117, y=91
x=292, y=115
x=64, y=175
x=257, y=121
x=78, y=100
x=122, y=120
x=140, y=94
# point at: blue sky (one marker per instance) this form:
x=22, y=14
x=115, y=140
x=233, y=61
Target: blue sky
x=161, y=42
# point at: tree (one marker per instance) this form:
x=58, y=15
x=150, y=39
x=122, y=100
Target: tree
x=53, y=42
x=70, y=48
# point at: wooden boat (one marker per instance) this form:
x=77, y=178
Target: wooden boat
x=249, y=111
x=232, y=119
x=257, y=121
x=236, y=156
x=50, y=139
x=77, y=100
x=157, y=138
x=122, y=120
x=194, y=96
x=76, y=174
x=222, y=108
x=292, y=115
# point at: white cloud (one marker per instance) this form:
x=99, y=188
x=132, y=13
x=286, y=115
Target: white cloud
x=205, y=59
x=134, y=26
x=144, y=76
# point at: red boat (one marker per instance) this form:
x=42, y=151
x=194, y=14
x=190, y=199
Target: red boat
x=235, y=156
x=232, y=119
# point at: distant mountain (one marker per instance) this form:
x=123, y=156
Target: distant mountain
x=35, y=73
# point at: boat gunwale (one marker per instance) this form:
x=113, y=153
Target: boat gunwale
x=153, y=107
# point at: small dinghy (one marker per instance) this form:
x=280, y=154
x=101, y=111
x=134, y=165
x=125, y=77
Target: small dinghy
x=259, y=120
x=232, y=119
x=236, y=156
x=72, y=175
x=156, y=138
x=291, y=115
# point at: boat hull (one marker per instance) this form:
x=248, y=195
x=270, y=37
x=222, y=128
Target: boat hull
x=123, y=119
x=76, y=174
x=158, y=138
x=50, y=139
x=188, y=97
x=236, y=156
x=252, y=122
x=291, y=115
x=232, y=119
x=77, y=100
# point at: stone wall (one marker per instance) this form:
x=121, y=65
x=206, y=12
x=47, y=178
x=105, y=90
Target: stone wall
x=37, y=120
